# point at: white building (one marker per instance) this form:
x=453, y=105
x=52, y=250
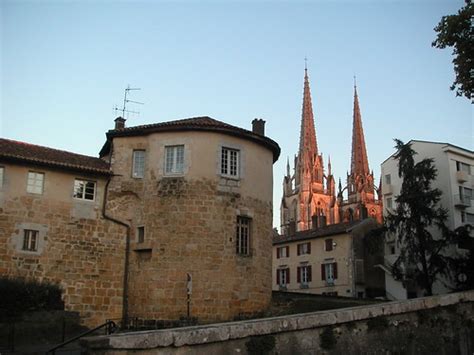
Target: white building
x=455, y=166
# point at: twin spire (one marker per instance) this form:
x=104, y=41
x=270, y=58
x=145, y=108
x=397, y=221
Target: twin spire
x=308, y=143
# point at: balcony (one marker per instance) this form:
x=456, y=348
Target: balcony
x=462, y=176
x=462, y=201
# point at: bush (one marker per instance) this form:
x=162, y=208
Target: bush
x=18, y=296
x=260, y=345
x=327, y=339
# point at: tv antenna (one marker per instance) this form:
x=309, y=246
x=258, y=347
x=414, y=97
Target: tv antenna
x=126, y=101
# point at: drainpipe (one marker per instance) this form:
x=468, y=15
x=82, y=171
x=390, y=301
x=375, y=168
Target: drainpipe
x=127, y=252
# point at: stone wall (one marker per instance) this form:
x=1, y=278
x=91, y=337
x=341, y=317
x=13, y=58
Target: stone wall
x=190, y=229
x=431, y=325
x=77, y=248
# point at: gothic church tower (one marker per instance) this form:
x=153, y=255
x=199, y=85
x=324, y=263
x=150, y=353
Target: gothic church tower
x=361, y=202
x=309, y=196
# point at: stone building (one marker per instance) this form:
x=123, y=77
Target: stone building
x=455, y=179
x=52, y=227
x=174, y=219
x=310, y=199
x=331, y=260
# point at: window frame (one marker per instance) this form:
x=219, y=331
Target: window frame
x=2, y=175
x=283, y=273
x=301, y=250
x=286, y=253
x=33, y=177
x=464, y=167
x=388, y=179
x=243, y=235
x=304, y=274
x=175, y=149
x=226, y=163
x=140, y=234
x=84, y=181
x=136, y=161
x=389, y=205
x=30, y=240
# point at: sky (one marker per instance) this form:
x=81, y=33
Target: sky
x=65, y=64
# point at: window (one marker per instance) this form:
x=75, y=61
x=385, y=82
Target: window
x=329, y=272
x=389, y=203
x=304, y=274
x=465, y=193
x=230, y=162
x=141, y=234
x=243, y=236
x=388, y=179
x=304, y=248
x=138, y=170
x=283, y=277
x=467, y=217
x=35, y=182
x=174, y=159
x=463, y=167
x=328, y=245
x=1, y=175
x=30, y=240
x=84, y=190
x=283, y=252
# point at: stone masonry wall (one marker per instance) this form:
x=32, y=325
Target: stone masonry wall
x=190, y=227
x=77, y=249
x=431, y=325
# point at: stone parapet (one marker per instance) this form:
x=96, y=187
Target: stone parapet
x=170, y=341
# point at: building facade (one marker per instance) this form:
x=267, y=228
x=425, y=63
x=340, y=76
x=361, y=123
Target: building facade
x=310, y=199
x=455, y=179
x=174, y=207
x=331, y=260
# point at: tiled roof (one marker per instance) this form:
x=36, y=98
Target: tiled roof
x=192, y=124
x=322, y=232
x=11, y=150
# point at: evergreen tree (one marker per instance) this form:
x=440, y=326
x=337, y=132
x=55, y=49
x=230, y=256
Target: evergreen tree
x=416, y=217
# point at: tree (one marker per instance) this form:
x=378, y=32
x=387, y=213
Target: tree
x=457, y=31
x=463, y=266
x=416, y=217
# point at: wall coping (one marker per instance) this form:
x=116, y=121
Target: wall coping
x=204, y=334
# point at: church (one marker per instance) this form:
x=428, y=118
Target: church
x=310, y=199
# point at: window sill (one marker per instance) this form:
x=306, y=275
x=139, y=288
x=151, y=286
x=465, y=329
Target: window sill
x=140, y=247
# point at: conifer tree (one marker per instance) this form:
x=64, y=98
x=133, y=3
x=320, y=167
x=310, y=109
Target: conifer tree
x=418, y=223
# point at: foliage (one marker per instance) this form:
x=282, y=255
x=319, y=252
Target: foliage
x=327, y=339
x=463, y=266
x=457, y=31
x=18, y=296
x=260, y=345
x=416, y=217
x=377, y=323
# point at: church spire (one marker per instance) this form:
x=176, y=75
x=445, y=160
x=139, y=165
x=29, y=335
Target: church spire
x=359, y=161
x=308, y=145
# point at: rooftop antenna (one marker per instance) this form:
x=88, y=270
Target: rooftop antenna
x=126, y=100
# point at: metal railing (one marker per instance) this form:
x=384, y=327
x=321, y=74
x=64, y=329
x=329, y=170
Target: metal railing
x=110, y=327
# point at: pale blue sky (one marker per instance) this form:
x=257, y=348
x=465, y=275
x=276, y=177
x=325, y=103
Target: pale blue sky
x=65, y=64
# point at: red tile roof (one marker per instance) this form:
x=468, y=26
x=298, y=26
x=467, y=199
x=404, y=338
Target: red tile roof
x=192, y=124
x=16, y=151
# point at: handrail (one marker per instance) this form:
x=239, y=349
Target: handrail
x=111, y=328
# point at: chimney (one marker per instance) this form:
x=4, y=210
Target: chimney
x=119, y=122
x=258, y=126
